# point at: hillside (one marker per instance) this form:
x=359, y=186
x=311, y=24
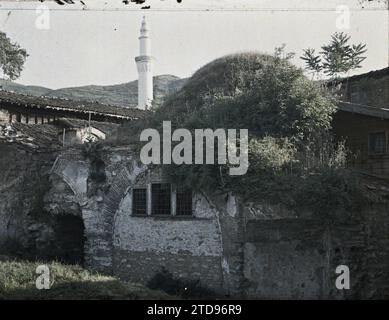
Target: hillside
x=19, y=88
x=123, y=95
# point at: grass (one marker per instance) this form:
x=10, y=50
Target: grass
x=17, y=281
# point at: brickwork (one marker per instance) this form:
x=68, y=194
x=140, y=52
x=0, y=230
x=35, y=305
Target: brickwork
x=237, y=249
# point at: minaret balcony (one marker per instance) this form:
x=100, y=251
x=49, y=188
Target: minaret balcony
x=144, y=58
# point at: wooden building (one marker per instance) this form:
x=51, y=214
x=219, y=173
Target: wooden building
x=16, y=107
x=362, y=120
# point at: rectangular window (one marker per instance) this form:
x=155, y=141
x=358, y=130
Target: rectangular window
x=139, y=201
x=377, y=143
x=184, y=202
x=160, y=198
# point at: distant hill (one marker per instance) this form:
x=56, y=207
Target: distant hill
x=19, y=88
x=122, y=95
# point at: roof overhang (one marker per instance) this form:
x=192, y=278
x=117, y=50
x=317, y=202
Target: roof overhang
x=382, y=113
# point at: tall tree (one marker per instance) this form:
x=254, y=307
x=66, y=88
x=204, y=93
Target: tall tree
x=336, y=58
x=12, y=57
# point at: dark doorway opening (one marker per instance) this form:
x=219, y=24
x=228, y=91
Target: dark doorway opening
x=70, y=239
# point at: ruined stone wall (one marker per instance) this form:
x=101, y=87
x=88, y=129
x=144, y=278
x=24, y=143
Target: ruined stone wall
x=232, y=247
x=136, y=248
x=19, y=193
x=25, y=229
x=297, y=258
x=377, y=254
x=97, y=181
x=284, y=259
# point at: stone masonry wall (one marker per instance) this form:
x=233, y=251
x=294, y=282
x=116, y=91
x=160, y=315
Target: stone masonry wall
x=189, y=248
x=234, y=248
x=26, y=230
x=297, y=258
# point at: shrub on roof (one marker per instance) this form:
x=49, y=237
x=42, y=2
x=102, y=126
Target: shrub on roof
x=291, y=151
x=265, y=94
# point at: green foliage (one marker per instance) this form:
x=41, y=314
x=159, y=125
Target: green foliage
x=270, y=154
x=280, y=53
x=12, y=57
x=264, y=94
x=313, y=61
x=292, y=158
x=322, y=186
x=337, y=58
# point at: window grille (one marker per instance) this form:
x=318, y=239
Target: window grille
x=184, y=202
x=139, y=201
x=160, y=198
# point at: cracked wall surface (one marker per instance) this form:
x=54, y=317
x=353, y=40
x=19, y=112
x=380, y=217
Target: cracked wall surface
x=232, y=247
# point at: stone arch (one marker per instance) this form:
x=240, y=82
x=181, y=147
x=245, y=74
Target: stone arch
x=136, y=172
x=69, y=176
x=98, y=213
x=75, y=173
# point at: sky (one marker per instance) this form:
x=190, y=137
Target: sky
x=97, y=43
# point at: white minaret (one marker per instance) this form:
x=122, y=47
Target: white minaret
x=144, y=64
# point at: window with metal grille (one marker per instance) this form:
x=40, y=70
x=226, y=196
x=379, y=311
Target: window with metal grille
x=160, y=198
x=183, y=202
x=139, y=201
x=377, y=143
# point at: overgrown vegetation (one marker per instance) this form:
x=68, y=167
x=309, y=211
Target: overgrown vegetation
x=17, y=281
x=293, y=157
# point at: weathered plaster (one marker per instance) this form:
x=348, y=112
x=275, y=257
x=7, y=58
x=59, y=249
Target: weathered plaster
x=196, y=236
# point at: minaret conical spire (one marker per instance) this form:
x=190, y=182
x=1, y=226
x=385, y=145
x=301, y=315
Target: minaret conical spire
x=144, y=31
x=145, y=65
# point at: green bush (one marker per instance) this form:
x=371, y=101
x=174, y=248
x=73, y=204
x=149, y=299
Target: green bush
x=291, y=150
x=262, y=93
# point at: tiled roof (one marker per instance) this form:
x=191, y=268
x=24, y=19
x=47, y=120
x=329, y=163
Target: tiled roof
x=375, y=74
x=42, y=136
x=59, y=104
x=382, y=113
x=372, y=74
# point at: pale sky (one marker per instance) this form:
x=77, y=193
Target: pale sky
x=98, y=45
